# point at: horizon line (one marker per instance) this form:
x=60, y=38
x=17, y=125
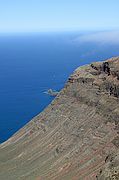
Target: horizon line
x=58, y=31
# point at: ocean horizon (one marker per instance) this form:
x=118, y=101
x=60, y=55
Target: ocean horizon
x=30, y=64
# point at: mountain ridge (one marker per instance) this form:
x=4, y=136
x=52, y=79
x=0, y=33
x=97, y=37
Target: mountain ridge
x=76, y=137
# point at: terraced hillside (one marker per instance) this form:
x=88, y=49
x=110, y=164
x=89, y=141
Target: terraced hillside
x=76, y=137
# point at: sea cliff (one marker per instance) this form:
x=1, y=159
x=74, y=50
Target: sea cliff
x=76, y=137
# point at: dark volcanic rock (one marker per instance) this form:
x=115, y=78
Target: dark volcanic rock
x=76, y=137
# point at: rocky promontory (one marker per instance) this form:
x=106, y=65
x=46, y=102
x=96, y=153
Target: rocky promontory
x=76, y=137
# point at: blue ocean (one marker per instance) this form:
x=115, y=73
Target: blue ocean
x=30, y=64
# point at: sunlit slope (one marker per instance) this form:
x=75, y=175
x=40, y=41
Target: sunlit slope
x=73, y=138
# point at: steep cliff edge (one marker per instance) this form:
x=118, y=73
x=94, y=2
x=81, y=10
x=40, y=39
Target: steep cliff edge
x=76, y=137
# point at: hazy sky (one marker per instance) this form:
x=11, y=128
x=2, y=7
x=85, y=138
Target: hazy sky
x=53, y=15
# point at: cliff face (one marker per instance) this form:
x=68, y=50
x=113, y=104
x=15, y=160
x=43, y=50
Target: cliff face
x=76, y=137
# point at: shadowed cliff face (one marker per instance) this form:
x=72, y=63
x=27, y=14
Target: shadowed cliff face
x=76, y=137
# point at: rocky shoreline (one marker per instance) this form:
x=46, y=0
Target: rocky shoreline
x=76, y=137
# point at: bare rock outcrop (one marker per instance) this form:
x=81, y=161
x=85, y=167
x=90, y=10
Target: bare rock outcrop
x=76, y=137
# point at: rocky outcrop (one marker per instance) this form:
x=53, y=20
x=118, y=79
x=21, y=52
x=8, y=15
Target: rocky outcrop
x=111, y=168
x=76, y=137
x=52, y=92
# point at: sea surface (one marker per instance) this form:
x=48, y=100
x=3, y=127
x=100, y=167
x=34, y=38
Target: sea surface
x=30, y=64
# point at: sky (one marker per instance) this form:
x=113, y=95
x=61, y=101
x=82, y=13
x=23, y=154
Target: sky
x=58, y=15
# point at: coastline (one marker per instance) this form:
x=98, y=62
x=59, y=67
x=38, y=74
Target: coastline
x=75, y=135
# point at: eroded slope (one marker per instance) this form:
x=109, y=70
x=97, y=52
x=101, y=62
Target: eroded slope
x=73, y=138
